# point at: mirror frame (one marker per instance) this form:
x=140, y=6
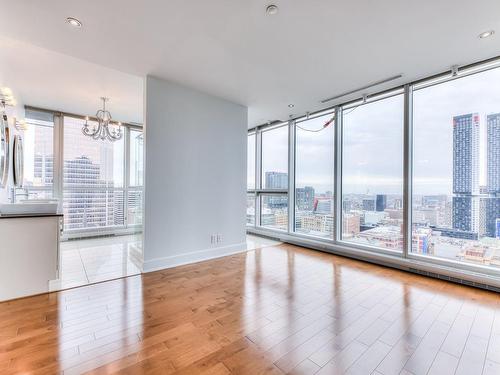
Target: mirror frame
x=18, y=158
x=4, y=150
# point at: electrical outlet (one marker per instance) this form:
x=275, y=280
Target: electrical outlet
x=219, y=238
x=213, y=238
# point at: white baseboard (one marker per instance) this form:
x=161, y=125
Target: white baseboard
x=192, y=257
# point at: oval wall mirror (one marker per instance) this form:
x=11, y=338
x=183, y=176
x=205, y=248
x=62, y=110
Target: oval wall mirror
x=4, y=150
x=18, y=156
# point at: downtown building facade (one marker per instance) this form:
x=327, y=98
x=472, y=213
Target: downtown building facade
x=492, y=205
x=475, y=210
x=96, y=196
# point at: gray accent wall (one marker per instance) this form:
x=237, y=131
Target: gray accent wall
x=195, y=175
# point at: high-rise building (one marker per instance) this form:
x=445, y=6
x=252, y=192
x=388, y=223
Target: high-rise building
x=466, y=213
x=466, y=154
x=323, y=206
x=43, y=169
x=317, y=223
x=350, y=225
x=492, y=215
x=493, y=153
x=88, y=200
x=304, y=198
x=368, y=204
x=490, y=204
x=466, y=172
x=276, y=180
x=381, y=202
x=346, y=205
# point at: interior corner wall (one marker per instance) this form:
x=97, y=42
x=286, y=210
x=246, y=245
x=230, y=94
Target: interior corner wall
x=195, y=175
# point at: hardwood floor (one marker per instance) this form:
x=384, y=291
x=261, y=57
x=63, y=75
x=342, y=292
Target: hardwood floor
x=280, y=309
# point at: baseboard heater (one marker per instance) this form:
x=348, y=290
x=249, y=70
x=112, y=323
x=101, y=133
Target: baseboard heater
x=380, y=260
x=454, y=279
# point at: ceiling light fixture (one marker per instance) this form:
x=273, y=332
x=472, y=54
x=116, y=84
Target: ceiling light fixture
x=486, y=34
x=272, y=9
x=102, y=130
x=73, y=22
x=291, y=105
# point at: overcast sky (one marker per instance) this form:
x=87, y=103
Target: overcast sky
x=373, y=140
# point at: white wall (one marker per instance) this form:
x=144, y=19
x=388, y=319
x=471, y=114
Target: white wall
x=195, y=175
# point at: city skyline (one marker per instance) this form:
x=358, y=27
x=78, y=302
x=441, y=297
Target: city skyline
x=93, y=187
x=434, y=109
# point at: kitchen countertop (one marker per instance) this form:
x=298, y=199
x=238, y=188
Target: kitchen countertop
x=23, y=216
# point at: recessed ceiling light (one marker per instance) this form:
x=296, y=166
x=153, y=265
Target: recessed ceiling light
x=272, y=9
x=73, y=22
x=486, y=34
x=291, y=105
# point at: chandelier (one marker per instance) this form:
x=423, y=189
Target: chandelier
x=102, y=130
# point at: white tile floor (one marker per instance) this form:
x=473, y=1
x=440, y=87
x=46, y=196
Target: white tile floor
x=97, y=259
x=89, y=261
x=255, y=242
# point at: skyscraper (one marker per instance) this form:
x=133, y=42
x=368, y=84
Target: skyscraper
x=466, y=172
x=368, y=204
x=492, y=215
x=381, y=202
x=493, y=153
x=304, y=198
x=276, y=180
x=492, y=209
x=88, y=200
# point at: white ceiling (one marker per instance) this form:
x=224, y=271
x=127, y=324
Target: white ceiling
x=51, y=80
x=311, y=50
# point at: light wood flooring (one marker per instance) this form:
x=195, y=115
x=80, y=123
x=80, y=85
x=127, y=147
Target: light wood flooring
x=280, y=309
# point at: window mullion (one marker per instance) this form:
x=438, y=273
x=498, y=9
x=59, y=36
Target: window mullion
x=126, y=175
x=291, y=176
x=338, y=176
x=407, y=170
x=258, y=174
x=58, y=161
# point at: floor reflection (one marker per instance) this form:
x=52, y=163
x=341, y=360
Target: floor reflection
x=275, y=310
x=88, y=261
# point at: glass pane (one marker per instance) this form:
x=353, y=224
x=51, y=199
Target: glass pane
x=372, y=174
x=88, y=161
x=456, y=170
x=251, y=162
x=251, y=209
x=275, y=158
x=39, y=158
x=274, y=211
x=134, y=210
x=92, y=172
x=314, y=176
x=91, y=208
x=136, y=158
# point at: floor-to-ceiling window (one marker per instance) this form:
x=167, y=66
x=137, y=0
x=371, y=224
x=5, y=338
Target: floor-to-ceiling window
x=93, y=180
x=314, y=176
x=251, y=143
x=412, y=172
x=372, y=173
x=135, y=187
x=456, y=169
x=273, y=198
x=99, y=182
x=39, y=155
